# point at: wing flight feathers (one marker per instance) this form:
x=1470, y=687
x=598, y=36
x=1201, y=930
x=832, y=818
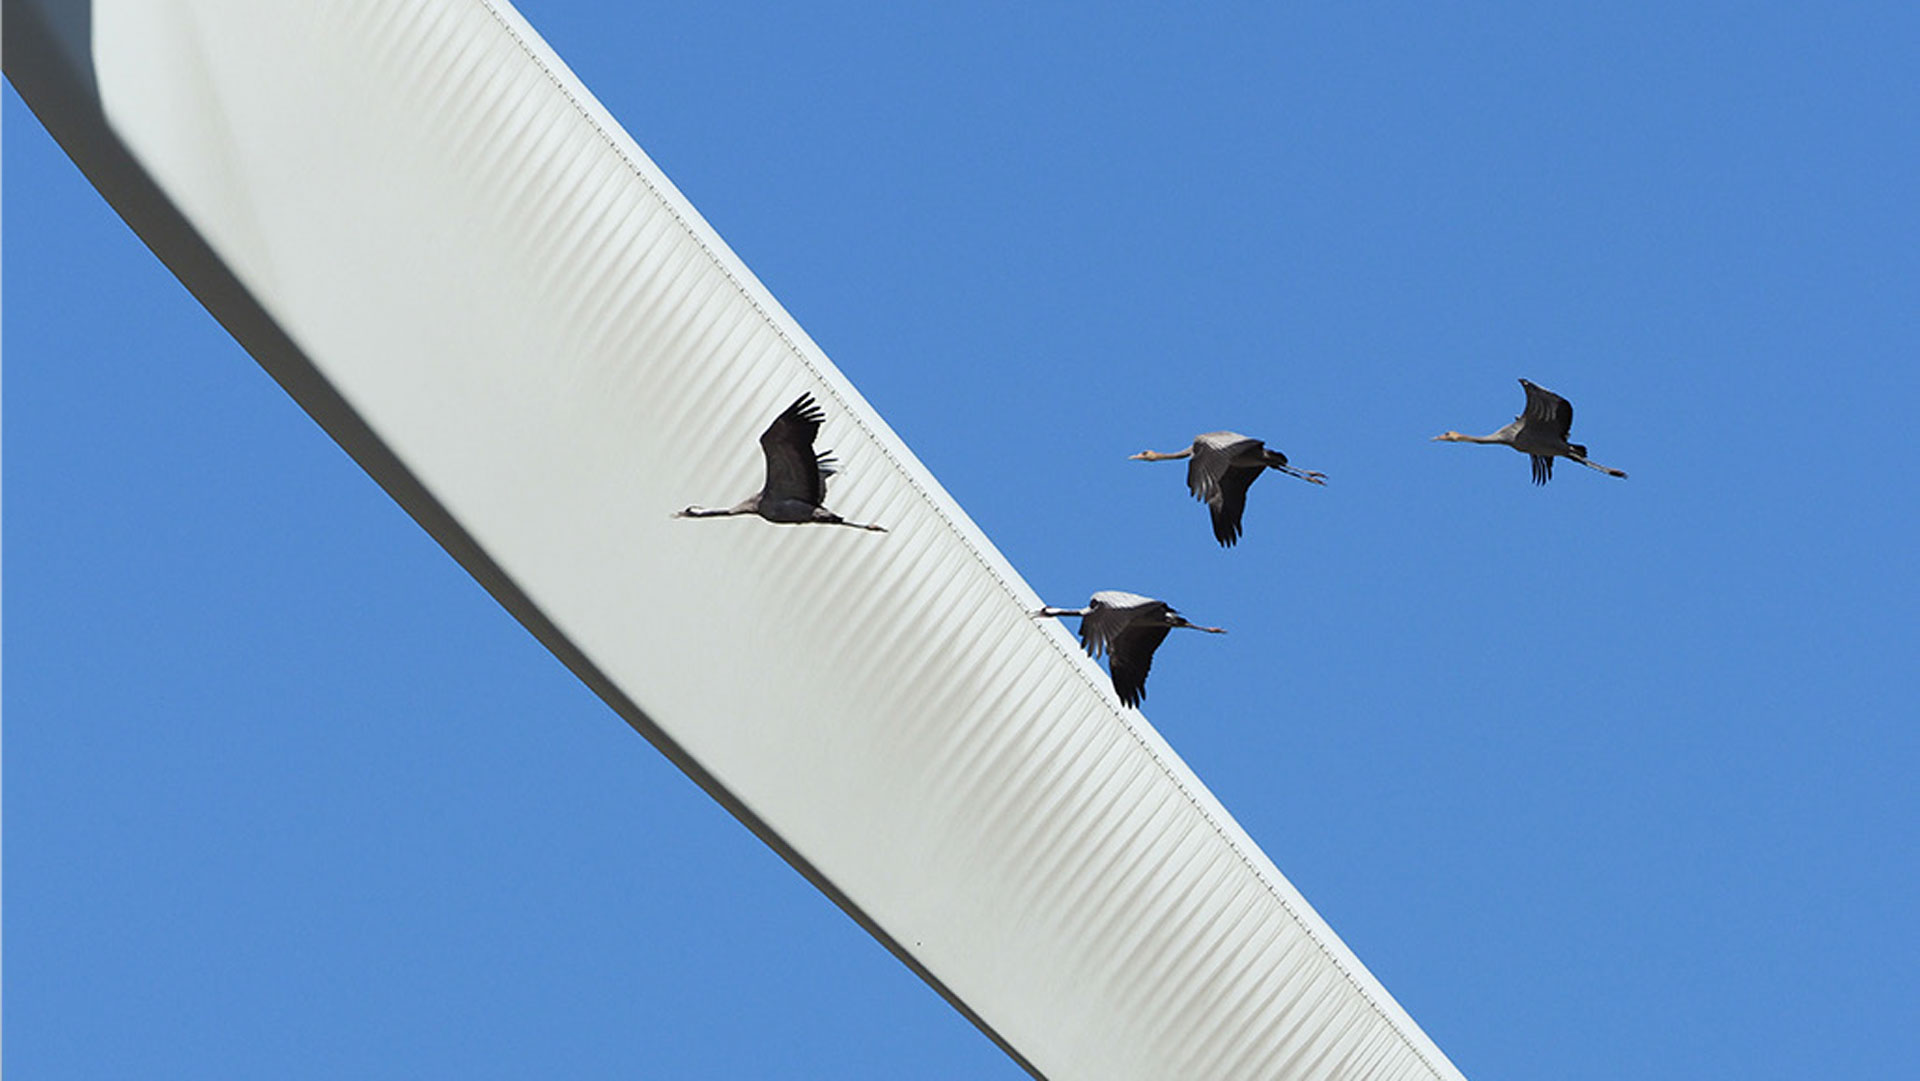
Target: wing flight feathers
x=794, y=470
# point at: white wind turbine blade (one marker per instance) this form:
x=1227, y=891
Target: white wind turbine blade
x=421, y=223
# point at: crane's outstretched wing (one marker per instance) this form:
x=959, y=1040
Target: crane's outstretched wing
x=1127, y=628
x=1131, y=655
x=1100, y=626
x=1229, y=502
x=1213, y=454
x=794, y=470
x=1109, y=614
x=1550, y=411
x=1549, y=417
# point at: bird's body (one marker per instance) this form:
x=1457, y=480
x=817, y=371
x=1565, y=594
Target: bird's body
x=1540, y=431
x=796, y=485
x=1127, y=628
x=1221, y=466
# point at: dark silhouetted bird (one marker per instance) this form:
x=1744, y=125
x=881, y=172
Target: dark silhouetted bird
x=796, y=475
x=1540, y=431
x=1221, y=467
x=1127, y=628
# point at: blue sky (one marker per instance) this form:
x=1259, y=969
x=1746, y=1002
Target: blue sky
x=1606, y=779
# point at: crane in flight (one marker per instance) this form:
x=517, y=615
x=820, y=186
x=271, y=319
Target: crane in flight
x=796, y=474
x=1221, y=467
x=1541, y=431
x=1127, y=628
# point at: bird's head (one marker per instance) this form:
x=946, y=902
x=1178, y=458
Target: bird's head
x=1448, y=437
x=1146, y=456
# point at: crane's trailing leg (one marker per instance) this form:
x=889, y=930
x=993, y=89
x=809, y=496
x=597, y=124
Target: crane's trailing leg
x=837, y=520
x=1607, y=469
x=1311, y=476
